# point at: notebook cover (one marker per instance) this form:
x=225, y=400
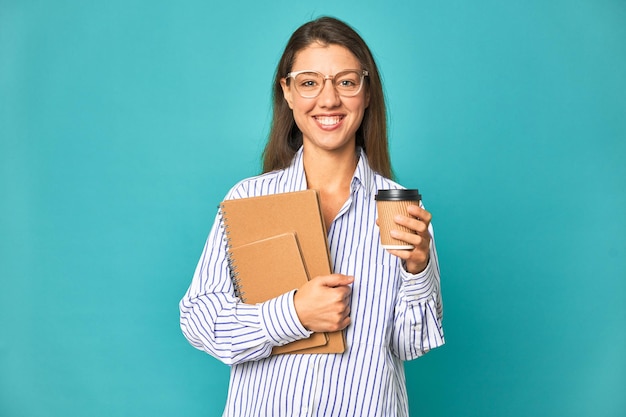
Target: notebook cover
x=250, y=219
x=267, y=268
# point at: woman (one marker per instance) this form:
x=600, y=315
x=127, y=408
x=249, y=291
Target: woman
x=328, y=134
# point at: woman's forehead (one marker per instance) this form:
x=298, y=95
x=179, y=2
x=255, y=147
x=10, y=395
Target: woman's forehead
x=325, y=58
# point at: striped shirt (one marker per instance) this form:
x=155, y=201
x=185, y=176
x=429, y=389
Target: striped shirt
x=395, y=316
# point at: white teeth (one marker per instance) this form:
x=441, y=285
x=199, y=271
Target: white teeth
x=328, y=121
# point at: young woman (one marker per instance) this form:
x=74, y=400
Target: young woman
x=329, y=134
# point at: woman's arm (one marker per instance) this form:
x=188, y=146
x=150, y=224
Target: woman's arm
x=418, y=312
x=215, y=321
x=419, y=309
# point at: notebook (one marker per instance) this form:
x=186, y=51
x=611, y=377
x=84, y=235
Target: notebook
x=267, y=268
x=253, y=219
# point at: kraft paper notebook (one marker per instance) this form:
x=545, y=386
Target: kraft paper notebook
x=253, y=219
x=267, y=268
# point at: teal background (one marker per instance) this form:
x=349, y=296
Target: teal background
x=124, y=123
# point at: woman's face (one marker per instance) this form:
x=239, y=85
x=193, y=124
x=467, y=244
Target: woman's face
x=329, y=121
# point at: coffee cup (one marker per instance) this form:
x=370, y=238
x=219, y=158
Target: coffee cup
x=389, y=203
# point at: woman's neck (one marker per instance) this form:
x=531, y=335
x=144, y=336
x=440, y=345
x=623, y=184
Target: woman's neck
x=330, y=171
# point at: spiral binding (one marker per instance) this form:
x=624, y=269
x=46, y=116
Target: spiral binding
x=234, y=275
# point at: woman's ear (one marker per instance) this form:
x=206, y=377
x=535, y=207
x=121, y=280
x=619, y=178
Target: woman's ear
x=286, y=92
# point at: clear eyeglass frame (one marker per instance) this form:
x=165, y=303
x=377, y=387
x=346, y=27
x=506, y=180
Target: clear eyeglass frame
x=333, y=78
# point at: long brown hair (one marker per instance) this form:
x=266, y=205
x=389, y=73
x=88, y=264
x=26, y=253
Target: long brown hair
x=285, y=138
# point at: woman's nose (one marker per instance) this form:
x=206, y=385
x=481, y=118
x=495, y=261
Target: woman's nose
x=329, y=96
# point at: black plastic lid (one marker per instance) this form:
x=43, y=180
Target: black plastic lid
x=398, y=195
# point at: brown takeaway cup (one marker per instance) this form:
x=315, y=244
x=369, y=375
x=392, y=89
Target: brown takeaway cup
x=389, y=203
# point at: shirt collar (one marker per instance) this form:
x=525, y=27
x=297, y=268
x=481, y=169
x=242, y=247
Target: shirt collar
x=295, y=175
x=363, y=175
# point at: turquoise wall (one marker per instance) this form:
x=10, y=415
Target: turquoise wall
x=123, y=124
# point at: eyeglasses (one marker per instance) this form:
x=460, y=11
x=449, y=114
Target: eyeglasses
x=309, y=84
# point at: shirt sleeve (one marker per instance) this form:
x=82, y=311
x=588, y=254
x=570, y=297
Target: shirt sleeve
x=419, y=311
x=214, y=320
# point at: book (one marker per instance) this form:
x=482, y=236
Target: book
x=267, y=268
x=252, y=219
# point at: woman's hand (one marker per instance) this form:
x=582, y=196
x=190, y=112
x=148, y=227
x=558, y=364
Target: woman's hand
x=323, y=303
x=415, y=260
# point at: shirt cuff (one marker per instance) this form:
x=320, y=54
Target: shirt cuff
x=420, y=286
x=280, y=320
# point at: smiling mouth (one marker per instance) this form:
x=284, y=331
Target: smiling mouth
x=328, y=120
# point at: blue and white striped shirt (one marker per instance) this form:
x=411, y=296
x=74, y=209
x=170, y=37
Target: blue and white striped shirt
x=395, y=316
